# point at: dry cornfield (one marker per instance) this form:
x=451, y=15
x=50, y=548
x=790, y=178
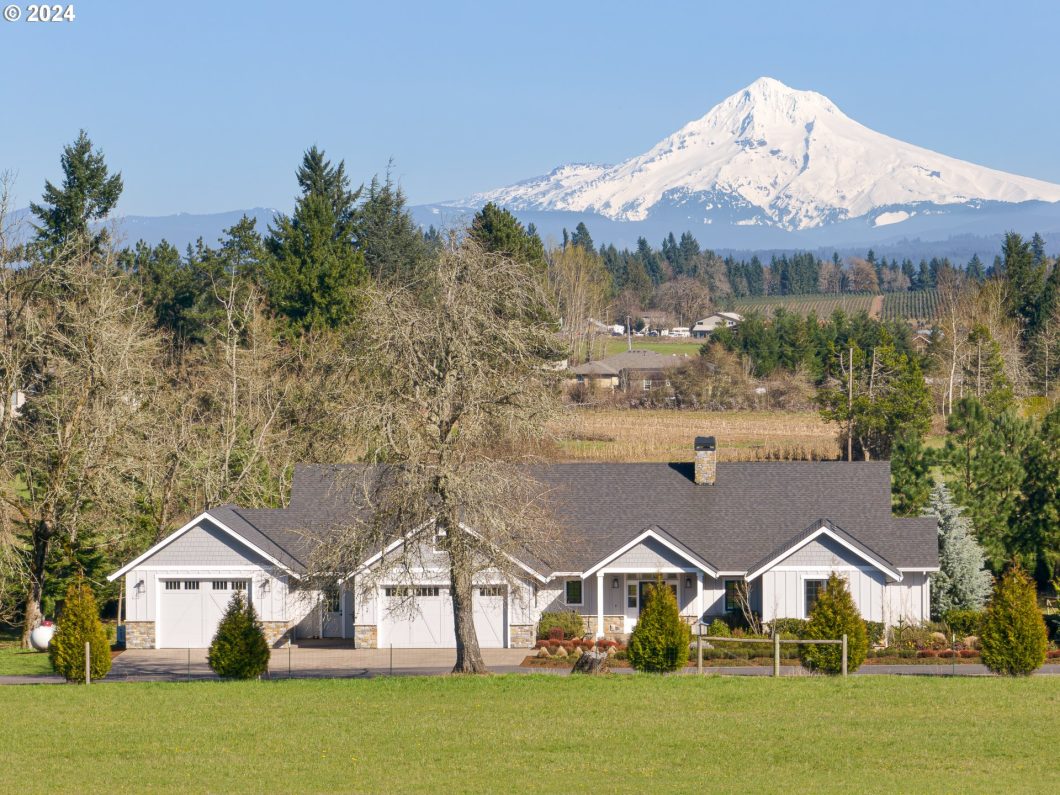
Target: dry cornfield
x=650, y=435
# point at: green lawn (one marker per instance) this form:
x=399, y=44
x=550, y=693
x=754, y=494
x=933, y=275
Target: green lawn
x=14, y=660
x=538, y=733
x=686, y=346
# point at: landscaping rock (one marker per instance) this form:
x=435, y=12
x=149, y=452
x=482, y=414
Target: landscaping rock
x=592, y=662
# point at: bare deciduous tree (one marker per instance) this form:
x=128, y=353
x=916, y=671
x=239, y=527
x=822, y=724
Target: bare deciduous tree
x=453, y=380
x=75, y=450
x=579, y=284
x=685, y=298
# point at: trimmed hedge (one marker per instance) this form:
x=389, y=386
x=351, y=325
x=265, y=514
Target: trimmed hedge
x=79, y=624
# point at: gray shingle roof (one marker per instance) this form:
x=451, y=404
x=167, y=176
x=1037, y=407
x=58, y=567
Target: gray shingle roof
x=754, y=510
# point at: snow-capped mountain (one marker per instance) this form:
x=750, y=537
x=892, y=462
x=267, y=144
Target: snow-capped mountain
x=772, y=156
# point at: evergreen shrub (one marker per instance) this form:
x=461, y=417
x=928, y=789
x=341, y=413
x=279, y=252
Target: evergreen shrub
x=963, y=622
x=834, y=614
x=569, y=622
x=239, y=649
x=661, y=639
x=1013, y=638
x=79, y=624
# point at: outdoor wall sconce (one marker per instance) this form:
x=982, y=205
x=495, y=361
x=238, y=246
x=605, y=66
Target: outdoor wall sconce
x=614, y=582
x=140, y=588
x=688, y=582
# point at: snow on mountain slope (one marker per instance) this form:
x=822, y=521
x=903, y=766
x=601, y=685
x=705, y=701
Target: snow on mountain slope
x=771, y=155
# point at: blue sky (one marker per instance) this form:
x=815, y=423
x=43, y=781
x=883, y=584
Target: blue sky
x=207, y=106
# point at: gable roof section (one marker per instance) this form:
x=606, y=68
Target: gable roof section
x=666, y=539
x=236, y=527
x=823, y=527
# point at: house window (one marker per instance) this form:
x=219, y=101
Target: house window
x=172, y=585
x=573, y=592
x=191, y=585
x=239, y=585
x=813, y=590
x=732, y=596
x=396, y=592
x=631, y=594
x=646, y=385
x=491, y=590
x=332, y=599
x=220, y=585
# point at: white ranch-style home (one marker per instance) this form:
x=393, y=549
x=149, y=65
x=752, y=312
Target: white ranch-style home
x=705, y=527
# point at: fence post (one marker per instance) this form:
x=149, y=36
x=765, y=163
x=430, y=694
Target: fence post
x=189, y=662
x=699, y=649
x=88, y=663
x=391, y=659
x=844, y=654
x=289, y=644
x=776, y=653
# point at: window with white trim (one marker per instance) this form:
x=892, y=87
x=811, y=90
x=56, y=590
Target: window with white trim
x=732, y=596
x=813, y=589
x=220, y=585
x=491, y=590
x=572, y=592
x=172, y=585
x=191, y=585
x=398, y=592
x=239, y=585
x=631, y=594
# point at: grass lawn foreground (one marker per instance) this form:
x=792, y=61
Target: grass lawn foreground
x=529, y=732
x=16, y=661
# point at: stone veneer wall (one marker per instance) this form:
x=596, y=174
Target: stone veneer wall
x=365, y=636
x=139, y=634
x=277, y=633
x=522, y=636
x=613, y=625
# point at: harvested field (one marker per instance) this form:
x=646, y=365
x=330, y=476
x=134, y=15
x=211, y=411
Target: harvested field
x=664, y=435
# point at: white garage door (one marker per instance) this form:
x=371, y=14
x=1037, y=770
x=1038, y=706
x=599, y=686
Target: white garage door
x=425, y=620
x=192, y=609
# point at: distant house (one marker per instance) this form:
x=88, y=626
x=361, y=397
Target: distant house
x=629, y=370
x=922, y=339
x=709, y=324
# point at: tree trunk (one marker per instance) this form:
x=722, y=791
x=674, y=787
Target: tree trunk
x=35, y=594
x=468, y=654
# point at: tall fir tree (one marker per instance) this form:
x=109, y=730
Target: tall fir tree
x=910, y=474
x=963, y=581
x=1026, y=277
x=582, y=238
x=314, y=269
x=500, y=232
x=88, y=193
x=388, y=238
x=1037, y=528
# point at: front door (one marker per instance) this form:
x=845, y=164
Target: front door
x=642, y=592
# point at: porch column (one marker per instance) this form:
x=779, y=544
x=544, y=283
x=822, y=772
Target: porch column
x=599, y=604
x=699, y=595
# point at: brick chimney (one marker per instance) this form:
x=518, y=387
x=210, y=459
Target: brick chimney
x=706, y=460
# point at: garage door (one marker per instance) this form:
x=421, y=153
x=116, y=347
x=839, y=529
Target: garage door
x=422, y=617
x=190, y=611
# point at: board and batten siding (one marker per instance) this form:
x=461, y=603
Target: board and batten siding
x=783, y=588
x=208, y=553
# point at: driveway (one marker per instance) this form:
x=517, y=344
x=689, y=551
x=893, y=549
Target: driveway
x=306, y=662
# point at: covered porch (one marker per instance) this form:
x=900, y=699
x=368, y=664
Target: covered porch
x=616, y=587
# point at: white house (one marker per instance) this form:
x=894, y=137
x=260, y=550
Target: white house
x=706, y=528
x=704, y=327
